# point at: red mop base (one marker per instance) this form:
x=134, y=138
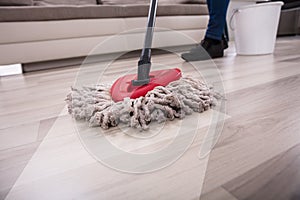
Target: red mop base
x=123, y=87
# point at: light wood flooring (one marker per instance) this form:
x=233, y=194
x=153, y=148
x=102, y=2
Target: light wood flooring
x=257, y=154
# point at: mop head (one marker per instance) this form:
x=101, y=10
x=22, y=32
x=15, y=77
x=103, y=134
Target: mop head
x=176, y=100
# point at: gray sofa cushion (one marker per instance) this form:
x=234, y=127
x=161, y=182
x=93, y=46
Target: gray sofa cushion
x=16, y=2
x=196, y=1
x=36, y=13
x=123, y=2
x=166, y=10
x=63, y=2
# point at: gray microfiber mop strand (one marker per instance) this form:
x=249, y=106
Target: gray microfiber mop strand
x=176, y=100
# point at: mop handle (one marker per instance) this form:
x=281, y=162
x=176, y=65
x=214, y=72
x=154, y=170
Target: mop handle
x=146, y=52
x=144, y=64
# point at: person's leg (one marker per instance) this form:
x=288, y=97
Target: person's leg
x=217, y=18
x=208, y=2
x=212, y=46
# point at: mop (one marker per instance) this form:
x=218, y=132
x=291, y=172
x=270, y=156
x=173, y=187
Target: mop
x=176, y=100
x=139, y=99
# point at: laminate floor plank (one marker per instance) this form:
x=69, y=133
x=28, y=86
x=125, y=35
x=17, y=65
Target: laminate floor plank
x=218, y=194
x=277, y=178
x=264, y=123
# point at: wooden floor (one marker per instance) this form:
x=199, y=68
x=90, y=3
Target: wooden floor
x=257, y=155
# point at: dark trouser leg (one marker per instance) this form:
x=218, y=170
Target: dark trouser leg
x=217, y=18
x=212, y=46
x=208, y=2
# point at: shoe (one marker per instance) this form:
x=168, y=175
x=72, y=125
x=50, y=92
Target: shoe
x=224, y=42
x=206, y=50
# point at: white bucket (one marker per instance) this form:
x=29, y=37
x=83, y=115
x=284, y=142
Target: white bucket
x=255, y=28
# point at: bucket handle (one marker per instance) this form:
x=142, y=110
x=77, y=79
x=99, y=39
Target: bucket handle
x=231, y=18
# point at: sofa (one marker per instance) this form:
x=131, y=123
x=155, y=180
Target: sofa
x=289, y=23
x=35, y=31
